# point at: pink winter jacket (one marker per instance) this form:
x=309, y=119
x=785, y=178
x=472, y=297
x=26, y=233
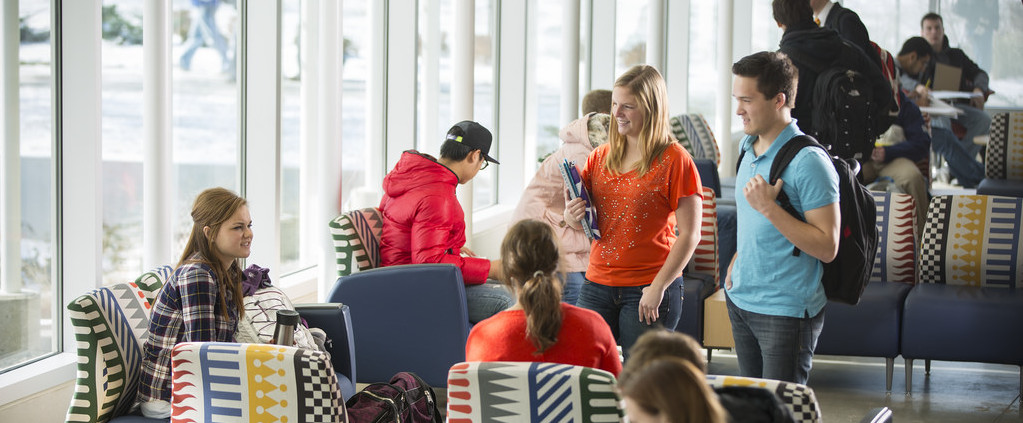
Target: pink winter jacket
x=544, y=197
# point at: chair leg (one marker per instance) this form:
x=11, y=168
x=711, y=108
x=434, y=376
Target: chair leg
x=927, y=367
x=889, y=368
x=909, y=375
x=710, y=352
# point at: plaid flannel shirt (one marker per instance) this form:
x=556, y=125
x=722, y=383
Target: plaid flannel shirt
x=186, y=310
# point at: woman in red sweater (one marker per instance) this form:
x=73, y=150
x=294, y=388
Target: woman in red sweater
x=539, y=327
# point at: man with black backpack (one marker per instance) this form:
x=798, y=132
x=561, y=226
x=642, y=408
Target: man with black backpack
x=775, y=298
x=844, y=101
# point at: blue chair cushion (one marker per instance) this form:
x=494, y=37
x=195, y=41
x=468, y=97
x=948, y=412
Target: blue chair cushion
x=1003, y=187
x=696, y=287
x=868, y=329
x=963, y=323
x=708, y=171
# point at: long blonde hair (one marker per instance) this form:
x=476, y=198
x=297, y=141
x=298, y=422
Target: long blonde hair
x=676, y=390
x=529, y=258
x=212, y=208
x=646, y=83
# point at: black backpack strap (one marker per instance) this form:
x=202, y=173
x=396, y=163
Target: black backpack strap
x=738, y=163
x=781, y=161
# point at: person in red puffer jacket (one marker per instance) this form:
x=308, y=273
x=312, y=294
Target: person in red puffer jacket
x=424, y=223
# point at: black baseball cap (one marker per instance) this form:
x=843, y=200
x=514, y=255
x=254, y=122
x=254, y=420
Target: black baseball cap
x=473, y=135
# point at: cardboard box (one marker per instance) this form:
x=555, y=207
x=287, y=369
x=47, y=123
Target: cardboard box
x=717, y=329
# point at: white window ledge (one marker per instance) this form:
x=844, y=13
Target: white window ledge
x=489, y=217
x=37, y=377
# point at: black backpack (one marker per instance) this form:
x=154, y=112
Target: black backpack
x=407, y=398
x=851, y=102
x=847, y=275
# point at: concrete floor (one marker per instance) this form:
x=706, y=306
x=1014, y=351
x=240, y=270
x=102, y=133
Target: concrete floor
x=848, y=387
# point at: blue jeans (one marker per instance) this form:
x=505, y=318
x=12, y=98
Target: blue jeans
x=774, y=347
x=977, y=122
x=619, y=306
x=573, y=283
x=961, y=164
x=486, y=300
x=204, y=27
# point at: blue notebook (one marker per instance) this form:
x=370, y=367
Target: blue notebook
x=576, y=190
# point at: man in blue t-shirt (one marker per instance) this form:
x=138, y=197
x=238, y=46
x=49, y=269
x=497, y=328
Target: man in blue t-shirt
x=775, y=299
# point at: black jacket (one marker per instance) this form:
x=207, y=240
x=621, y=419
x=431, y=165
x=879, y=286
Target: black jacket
x=848, y=25
x=812, y=49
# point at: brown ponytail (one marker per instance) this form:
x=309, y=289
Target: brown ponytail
x=529, y=257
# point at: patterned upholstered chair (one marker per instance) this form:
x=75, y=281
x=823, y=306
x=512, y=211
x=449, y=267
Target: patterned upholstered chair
x=872, y=327
x=799, y=398
x=1003, y=166
x=700, y=277
x=691, y=130
x=110, y=324
x=242, y=383
x=536, y=392
x=356, y=236
x=967, y=304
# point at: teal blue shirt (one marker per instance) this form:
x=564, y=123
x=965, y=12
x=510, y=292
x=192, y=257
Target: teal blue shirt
x=767, y=278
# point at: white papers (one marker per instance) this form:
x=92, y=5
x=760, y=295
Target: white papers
x=940, y=108
x=948, y=95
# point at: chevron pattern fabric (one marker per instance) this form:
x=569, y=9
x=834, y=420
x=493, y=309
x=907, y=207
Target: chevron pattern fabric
x=705, y=258
x=356, y=236
x=1005, y=149
x=110, y=324
x=253, y=383
x=537, y=392
x=896, y=252
x=973, y=240
x=691, y=130
x=800, y=399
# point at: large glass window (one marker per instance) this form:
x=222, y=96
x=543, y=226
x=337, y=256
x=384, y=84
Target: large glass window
x=434, y=83
x=293, y=137
x=546, y=32
x=122, y=140
x=890, y=26
x=484, y=102
x=205, y=106
x=631, y=34
x=980, y=28
x=703, y=72
x=28, y=300
x=355, y=107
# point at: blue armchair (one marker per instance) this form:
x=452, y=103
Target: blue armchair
x=406, y=318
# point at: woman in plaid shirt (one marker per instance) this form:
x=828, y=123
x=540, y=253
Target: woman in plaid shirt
x=202, y=300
